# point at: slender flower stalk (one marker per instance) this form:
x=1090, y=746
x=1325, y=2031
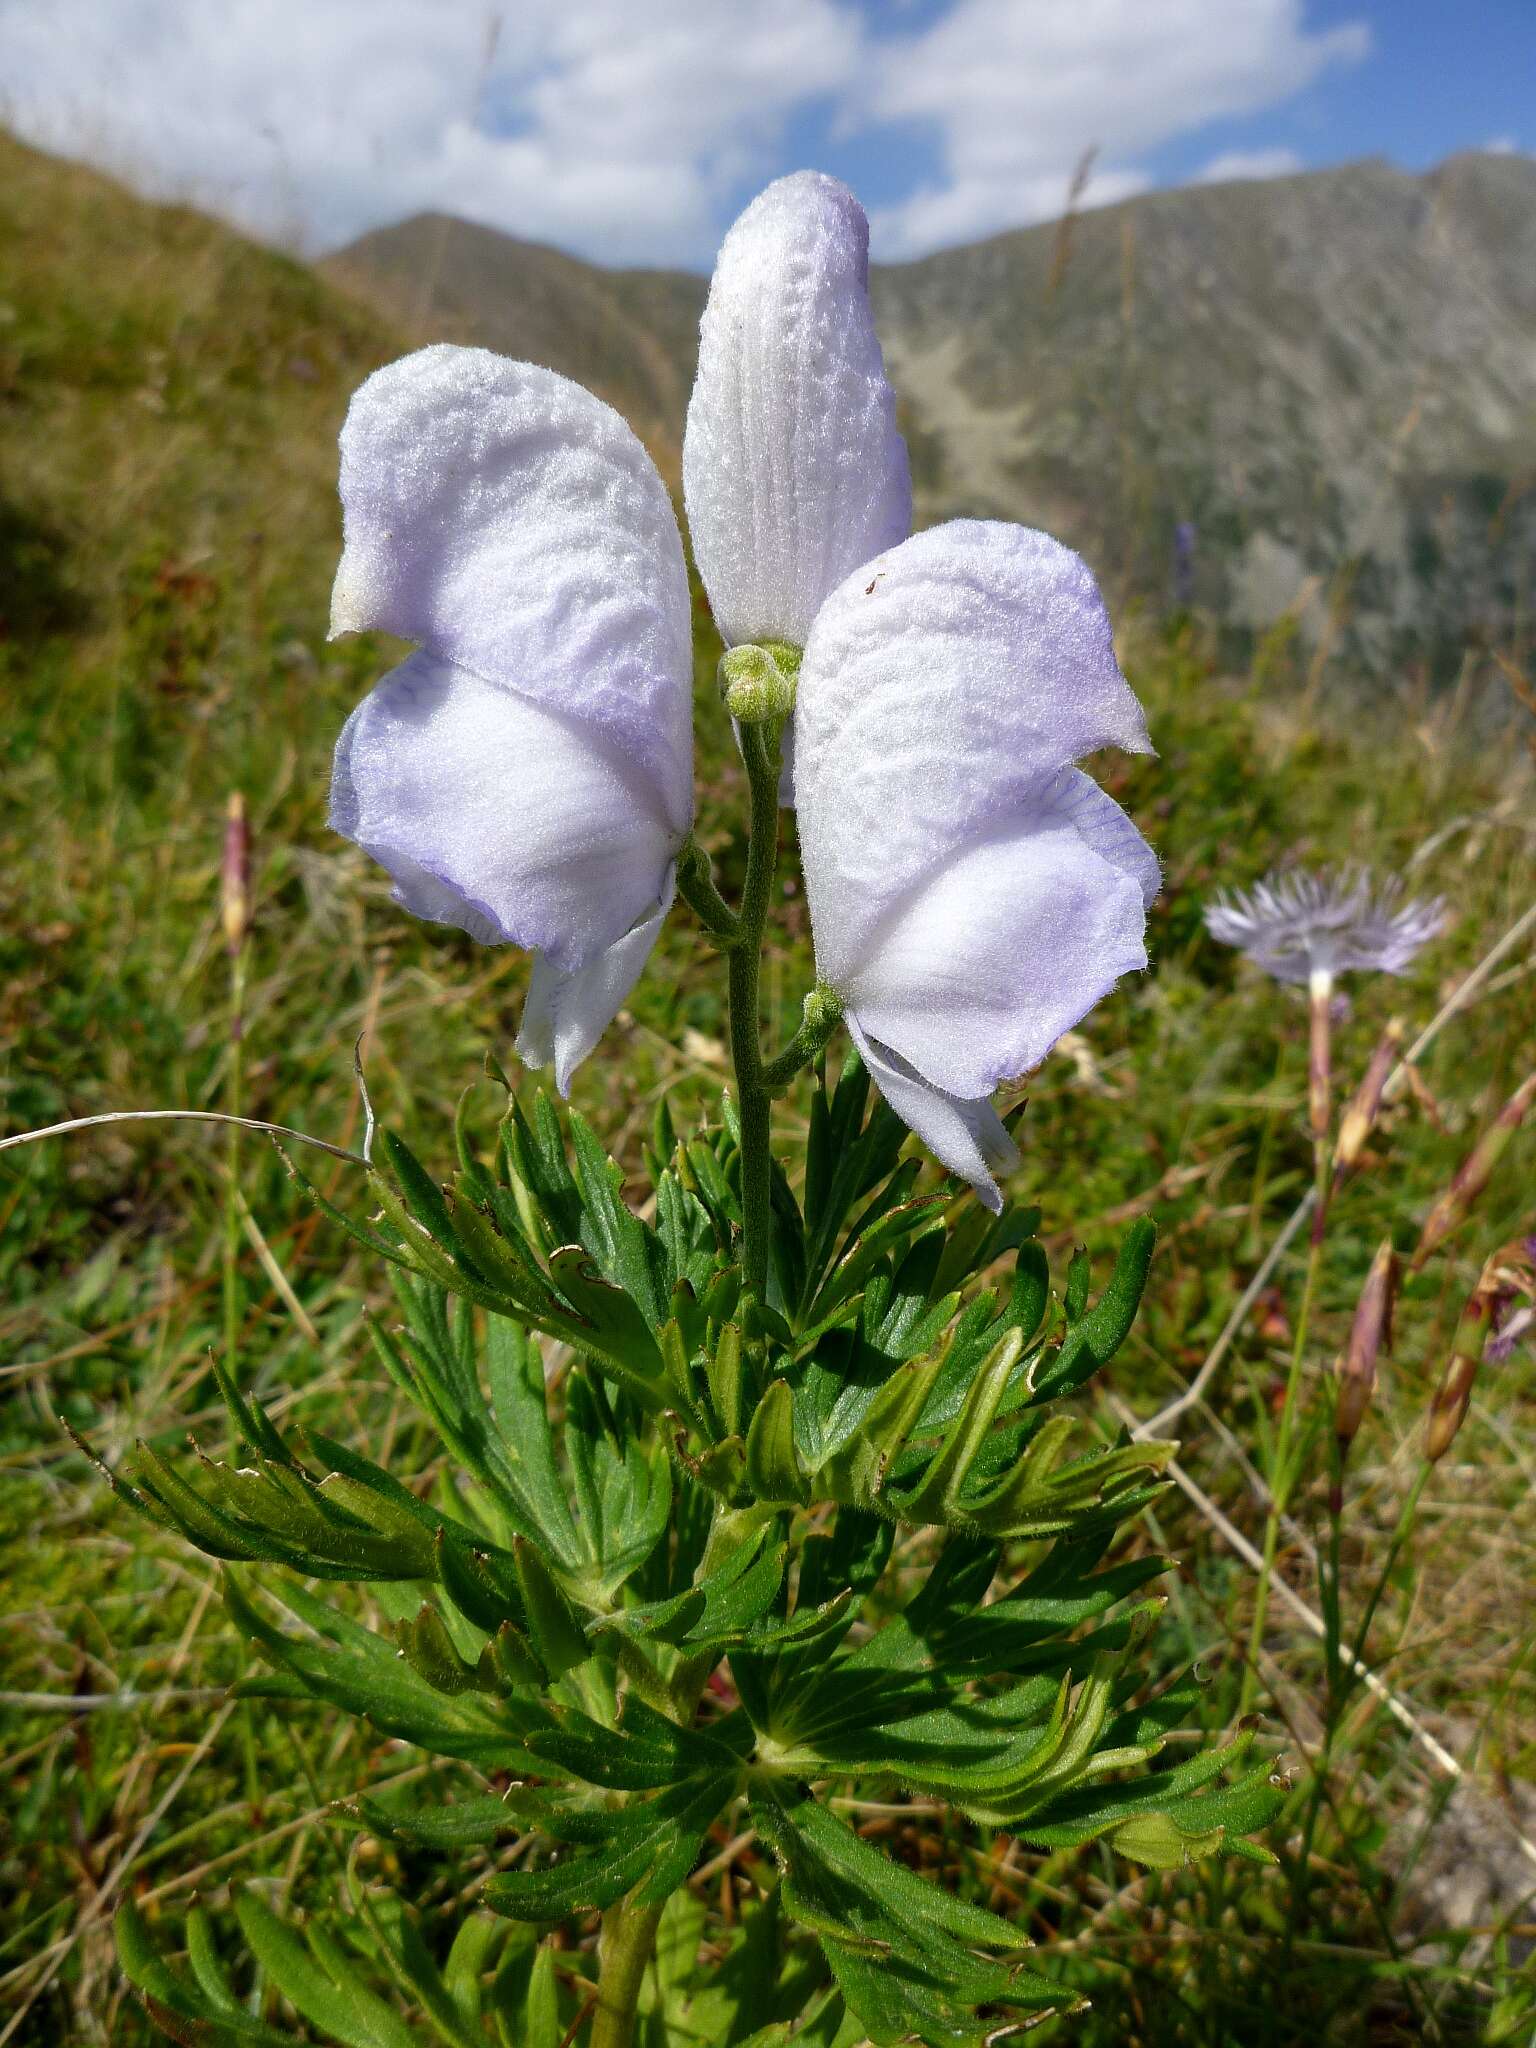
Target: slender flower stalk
x=1320, y=1088
x=235, y=920
x=760, y=751
x=1310, y=929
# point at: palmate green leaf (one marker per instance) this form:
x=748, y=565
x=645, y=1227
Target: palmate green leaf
x=1093, y=1339
x=275, y=1511
x=460, y=1824
x=622, y=1488
x=645, y=1848
x=644, y=1751
x=519, y=1409
x=557, y=1250
x=925, y=1417
x=838, y=1570
x=909, y=1956
x=624, y=1248
x=1168, y=1818
x=352, y=1668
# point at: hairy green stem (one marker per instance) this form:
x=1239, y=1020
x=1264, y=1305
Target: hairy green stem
x=629, y=1930
x=696, y=886
x=823, y=1014
x=760, y=750
x=624, y=1947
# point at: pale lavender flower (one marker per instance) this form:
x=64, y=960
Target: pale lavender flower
x=526, y=774
x=1310, y=927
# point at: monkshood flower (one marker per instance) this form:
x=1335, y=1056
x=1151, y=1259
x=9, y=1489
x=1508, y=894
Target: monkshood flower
x=527, y=774
x=1300, y=926
x=972, y=893
x=794, y=474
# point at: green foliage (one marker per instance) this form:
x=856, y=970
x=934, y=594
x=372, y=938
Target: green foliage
x=714, y=1477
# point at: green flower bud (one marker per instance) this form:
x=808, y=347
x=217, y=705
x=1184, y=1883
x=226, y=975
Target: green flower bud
x=758, y=681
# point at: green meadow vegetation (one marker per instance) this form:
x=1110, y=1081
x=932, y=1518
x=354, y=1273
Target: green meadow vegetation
x=169, y=399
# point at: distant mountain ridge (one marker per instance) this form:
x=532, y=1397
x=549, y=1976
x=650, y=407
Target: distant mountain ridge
x=1328, y=381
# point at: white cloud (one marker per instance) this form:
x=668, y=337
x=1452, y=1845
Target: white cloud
x=577, y=121
x=1018, y=89
x=1503, y=145
x=1248, y=163
x=627, y=129
x=939, y=216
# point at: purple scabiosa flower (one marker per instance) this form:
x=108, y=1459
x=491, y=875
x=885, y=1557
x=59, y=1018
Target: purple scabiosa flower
x=1502, y=1343
x=1299, y=926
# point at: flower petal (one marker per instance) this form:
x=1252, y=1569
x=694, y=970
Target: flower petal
x=513, y=525
x=566, y=1014
x=507, y=818
x=943, y=684
x=969, y=1138
x=1005, y=948
x=793, y=470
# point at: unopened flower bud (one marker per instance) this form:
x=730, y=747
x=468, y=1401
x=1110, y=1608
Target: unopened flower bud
x=1472, y=1176
x=757, y=681
x=1369, y=1332
x=235, y=876
x=1509, y=1273
x=1453, y=1396
x=1363, y=1107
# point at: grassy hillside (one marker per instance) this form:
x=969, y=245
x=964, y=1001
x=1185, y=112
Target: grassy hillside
x=630, y=335
x=169, y=397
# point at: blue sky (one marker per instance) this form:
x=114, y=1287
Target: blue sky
x=633, y=130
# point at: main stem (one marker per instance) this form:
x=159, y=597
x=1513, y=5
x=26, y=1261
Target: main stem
x=629, y=1930
x=760, y=750
x=628, y=1935
x=624, y=1948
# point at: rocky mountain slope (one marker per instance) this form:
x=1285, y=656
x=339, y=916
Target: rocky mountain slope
x=1328, y=382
